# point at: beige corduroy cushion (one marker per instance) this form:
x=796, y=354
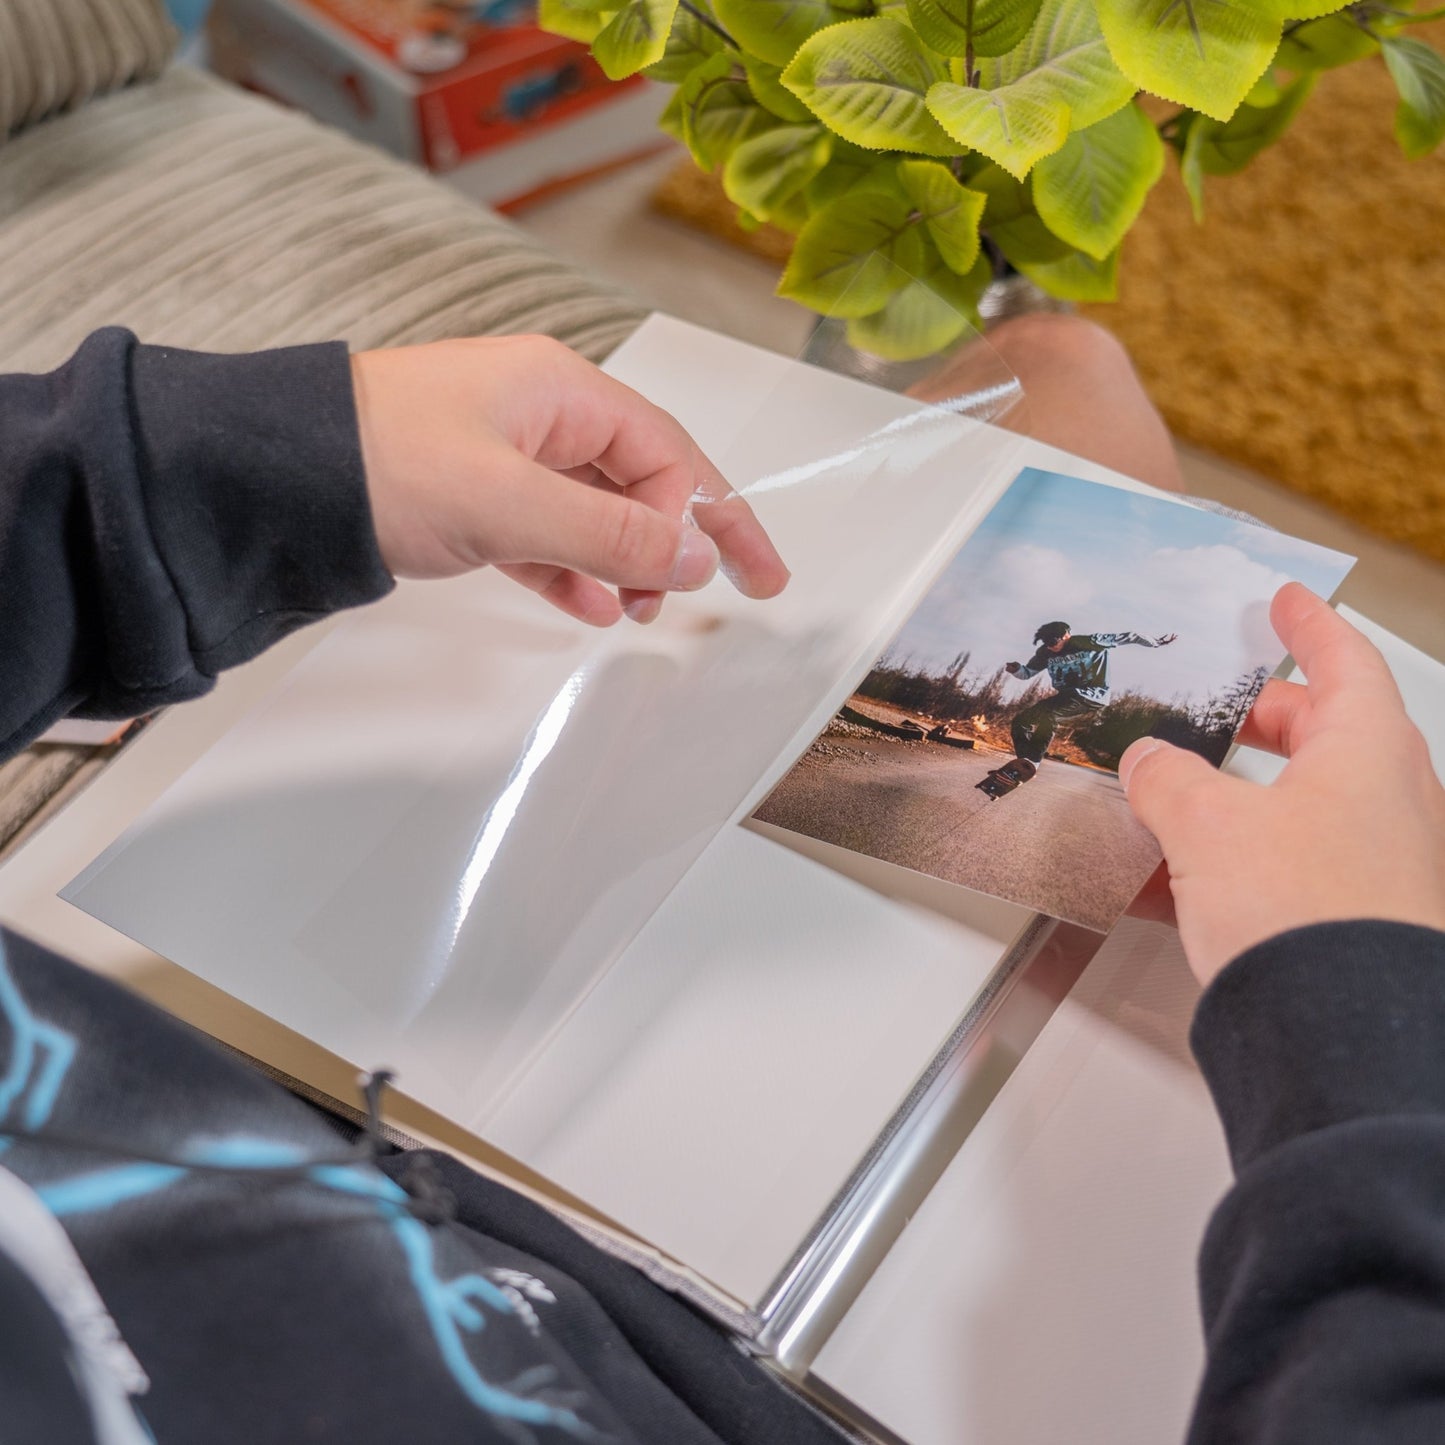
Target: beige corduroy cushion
x=57, y=54
x=202, y=217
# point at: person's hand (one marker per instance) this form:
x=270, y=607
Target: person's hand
x=1167, y=638
x=1354, y=827
x=1011, y=668
x=515, y=452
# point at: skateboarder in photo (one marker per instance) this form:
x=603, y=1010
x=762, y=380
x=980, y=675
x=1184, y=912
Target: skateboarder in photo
x=1078, y=667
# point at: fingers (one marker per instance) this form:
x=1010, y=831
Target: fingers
x=1155, y=900
x=545, y=518
x=602, y=423
x=1344, y=669
x=641, y=606
x=1278, y=719
x=1168, y=788
x=749, y=559
x=578, y=596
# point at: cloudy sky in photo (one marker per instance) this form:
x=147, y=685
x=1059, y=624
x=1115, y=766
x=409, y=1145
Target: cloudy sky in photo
x=1106, y=560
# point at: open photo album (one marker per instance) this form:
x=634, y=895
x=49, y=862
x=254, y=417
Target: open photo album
x=738, y=929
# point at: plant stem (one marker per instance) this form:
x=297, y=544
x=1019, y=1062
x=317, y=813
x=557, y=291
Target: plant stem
x=706, y=20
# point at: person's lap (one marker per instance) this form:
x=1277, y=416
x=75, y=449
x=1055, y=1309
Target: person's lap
x=1080, y=393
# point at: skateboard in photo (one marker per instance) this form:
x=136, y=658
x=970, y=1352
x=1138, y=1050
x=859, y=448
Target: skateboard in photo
x=1000, y=781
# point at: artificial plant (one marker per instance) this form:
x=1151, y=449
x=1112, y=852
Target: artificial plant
x=917, y=147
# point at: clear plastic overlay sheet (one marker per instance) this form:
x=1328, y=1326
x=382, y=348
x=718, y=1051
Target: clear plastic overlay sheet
x=429, y=845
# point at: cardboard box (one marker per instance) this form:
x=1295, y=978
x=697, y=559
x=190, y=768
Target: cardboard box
x=461, y=86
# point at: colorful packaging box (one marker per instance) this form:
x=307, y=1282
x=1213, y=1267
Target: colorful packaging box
x=442, y=83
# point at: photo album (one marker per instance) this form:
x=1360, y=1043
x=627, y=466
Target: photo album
x=983, y=745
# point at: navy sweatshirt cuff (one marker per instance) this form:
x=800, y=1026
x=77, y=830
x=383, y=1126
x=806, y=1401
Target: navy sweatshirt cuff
x=1322, y=1025
x=254, y=491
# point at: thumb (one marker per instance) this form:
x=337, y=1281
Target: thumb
x=1167, y=787
x=605, y=535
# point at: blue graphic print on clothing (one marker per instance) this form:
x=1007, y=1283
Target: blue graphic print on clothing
x=40, y=1057
x=450, y=1305
x=1082, y=665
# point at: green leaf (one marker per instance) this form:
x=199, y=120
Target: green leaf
x=855, y=253
x=1077, y=277
x=1015, y=126
x=1011, y=221
x=1218, y=148
x=1060, y=78
x=868, y=79
x=1419, y=76
x=1324, y=44
x=1091, y=192
x=670, y=122
x=1265, y=92
x=574, y=19
x=688, y=45
x=849, y=165
x=636, y=36
x=987, y=27
x=948, y=209
x=1206, y=54
x=774, y=29
x=927, y=315
x=767, y=85
x=1294, y=9
x=765, y=172
x=792, y=214
x=718, y=111
x=1065, y=52
x=1191, y=172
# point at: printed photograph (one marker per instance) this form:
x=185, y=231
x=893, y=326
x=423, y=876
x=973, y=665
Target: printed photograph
x=983, y=746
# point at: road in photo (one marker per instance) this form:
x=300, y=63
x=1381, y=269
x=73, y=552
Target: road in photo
x=915, y=804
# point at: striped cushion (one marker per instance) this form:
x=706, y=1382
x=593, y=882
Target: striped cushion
x=201, y=216
x=57, y=54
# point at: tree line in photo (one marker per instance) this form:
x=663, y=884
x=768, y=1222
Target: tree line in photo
x=1205, y=725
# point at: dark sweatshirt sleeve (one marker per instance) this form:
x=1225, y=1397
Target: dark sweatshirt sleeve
x=166, y=514
x=1323, y=1271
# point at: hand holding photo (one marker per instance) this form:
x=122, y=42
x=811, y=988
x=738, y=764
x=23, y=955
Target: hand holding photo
x=1078, y=618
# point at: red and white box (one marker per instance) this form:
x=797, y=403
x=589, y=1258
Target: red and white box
x=467, y=87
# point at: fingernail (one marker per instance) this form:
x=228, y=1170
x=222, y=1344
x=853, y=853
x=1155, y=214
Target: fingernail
x=749, y=586
x=697, y=561
x=1135, y=754
x=644, y=609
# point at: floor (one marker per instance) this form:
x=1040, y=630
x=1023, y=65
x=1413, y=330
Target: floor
x=610, y=227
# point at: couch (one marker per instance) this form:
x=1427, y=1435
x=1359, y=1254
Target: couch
x=140, y=192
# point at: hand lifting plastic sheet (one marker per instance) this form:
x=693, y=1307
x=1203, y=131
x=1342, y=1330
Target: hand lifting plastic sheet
x=427, y=847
